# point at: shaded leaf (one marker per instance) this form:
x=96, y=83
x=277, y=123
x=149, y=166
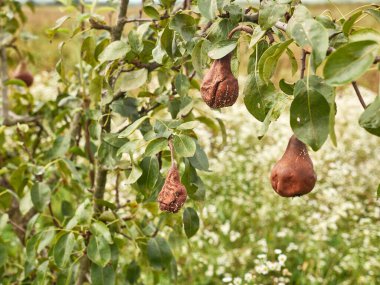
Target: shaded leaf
x=190, y=222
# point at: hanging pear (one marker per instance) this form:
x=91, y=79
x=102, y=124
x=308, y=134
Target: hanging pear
x=293, y=175
x=23, y=74
x=219, y=87
x=173, y=194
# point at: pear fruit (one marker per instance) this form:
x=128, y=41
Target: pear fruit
x=173, y=194
x=293, y=175
x=219, y=87
x=23, y=74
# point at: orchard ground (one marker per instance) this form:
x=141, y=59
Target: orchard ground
x=328, y=237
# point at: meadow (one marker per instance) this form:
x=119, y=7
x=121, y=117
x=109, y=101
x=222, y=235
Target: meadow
x=248, y=234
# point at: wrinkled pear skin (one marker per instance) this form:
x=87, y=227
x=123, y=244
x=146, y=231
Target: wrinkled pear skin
x=23, y=74
x=173, y=194
x=219, y=87
x=293, y=175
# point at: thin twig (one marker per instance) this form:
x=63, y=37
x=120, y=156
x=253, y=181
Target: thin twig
x=246, y=29
x=117, y=197
x=357, y=91
x=4, y=77
x=270, y=36
x=26, y=149
x=55, y=221
x=205, y=28
x=98, y=26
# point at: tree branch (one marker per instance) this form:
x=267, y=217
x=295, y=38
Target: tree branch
x=117, y=30
x=4, y=77
x=98, y=26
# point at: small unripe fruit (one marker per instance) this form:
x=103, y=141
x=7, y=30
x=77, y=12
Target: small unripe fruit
x=23, y=74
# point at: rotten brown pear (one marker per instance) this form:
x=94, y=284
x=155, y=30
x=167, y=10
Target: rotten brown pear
x=219, y=87
x=293, y=175
x=23, y=74
x=173, y=194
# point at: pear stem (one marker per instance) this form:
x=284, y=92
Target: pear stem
x=171, y=147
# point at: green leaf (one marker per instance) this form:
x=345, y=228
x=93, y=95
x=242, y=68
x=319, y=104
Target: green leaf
x=349, y=62
x=292, y=60
x=88, y=50
x=311, y=33
x=167, y=41
x=18, y=178
x=155, y=146
x=184, y=145
x=378, y=192
x=16, y=82
x=222, y=48
x=134, y=175
x=370, y=119
x=101, y=275
x=63, y=249
x=133, y=272
x=42, y=274
x=131, y=80
x=132, y=127
x=100, y=229
x=190, y=222
x=115, y=50
x=159, y=253
x=199, y=160
x=188, y=125
x=135, y=41
x=185, y=25
x=270, y=13
x=273, y=114
x=149, y=177
x=208, y=8
x=318, y=85
x=364, y=35
x=258, y=96
x=309, y=116
x=286, y=87
x=199, y=57
x=348, y=24
x=182, y=84
x=98, y=251
x=374, y=13
x=60, y=147
x=3, y=255
x=270, y=58
x=257, y=35
x=151, y=12
x=40, y=194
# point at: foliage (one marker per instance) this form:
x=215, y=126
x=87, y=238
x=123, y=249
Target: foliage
x=81, y=173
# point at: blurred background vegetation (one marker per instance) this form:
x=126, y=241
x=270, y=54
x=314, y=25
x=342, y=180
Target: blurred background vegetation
x=45, y=49
x=328, y=237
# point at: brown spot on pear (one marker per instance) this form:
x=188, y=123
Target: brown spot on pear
x=293, y=175
x=219, y=87
x=173, y=194
x=23, y=74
